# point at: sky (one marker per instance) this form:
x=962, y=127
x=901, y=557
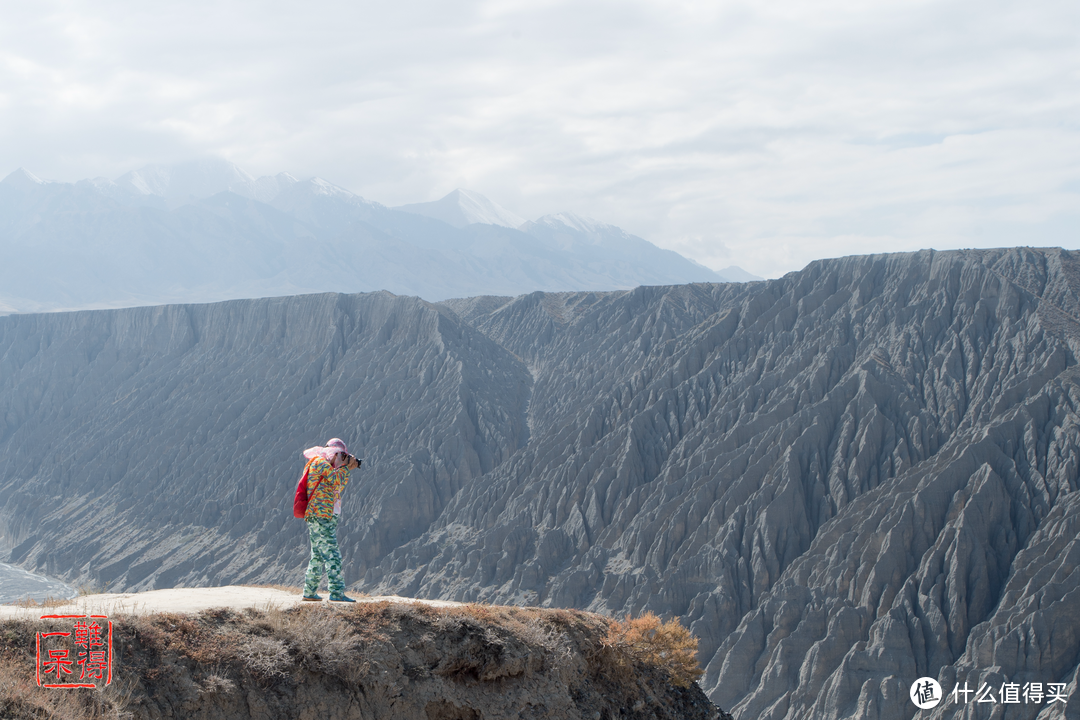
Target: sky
x=763, y=135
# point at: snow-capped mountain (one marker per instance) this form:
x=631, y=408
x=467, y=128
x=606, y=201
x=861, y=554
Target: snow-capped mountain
x=572, y=221
x=207, y=230
x=576, y=233
x=184, y=181
x=463, y=207
x=22, y=178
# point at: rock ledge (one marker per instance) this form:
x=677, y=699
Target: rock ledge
x=376, y=659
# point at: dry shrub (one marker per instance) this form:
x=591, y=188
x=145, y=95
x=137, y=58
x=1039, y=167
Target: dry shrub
x=365, y=611
x=321, y=638
x=508, y=640
x=15, y=684
x=456, y=615
x=217, y=684
x=16, y=636
x=535, y=632
x=210, y=638
x=496, y=615
x=416, y=611
x=267, y=658
x=371, y=621
x=219, y=616
x=268, y=643
x=196, y=637
x=478, y=612
x=92, y=588
x=666, y=645
x=485, y=620
x=145, y=631
x=554, y=631
x=20, y=697
x=324, y=641
x=539, y=628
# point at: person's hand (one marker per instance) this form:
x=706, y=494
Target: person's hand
x=352, y=463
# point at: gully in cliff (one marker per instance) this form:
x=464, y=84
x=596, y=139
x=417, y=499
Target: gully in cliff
x=318, y=501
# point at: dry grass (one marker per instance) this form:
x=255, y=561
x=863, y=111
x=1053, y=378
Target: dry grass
x=373, y=609
x=536, y=627
x=218, y=649
x=217, y=683
x=269, y=644
x=20, y=696
x=205, y=637
x=267, y=658
x=321, y=639
x=665, y=645
x=48, y=602
x=91, y=589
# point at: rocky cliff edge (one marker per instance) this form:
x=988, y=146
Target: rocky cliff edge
x=240, y=652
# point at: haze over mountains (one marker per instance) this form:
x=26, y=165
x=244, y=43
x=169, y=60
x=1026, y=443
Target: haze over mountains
x=206, y=231
x=462, y=208
x=842, y=480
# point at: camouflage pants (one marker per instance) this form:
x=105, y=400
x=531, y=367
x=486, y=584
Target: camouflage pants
x=324, y=553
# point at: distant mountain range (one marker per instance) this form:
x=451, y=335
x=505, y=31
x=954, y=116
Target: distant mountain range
x=206, y=231
x=462, y=208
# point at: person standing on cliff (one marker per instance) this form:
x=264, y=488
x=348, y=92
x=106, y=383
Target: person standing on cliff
x=327, y=475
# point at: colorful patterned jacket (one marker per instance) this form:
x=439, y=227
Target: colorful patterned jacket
x=331, y=482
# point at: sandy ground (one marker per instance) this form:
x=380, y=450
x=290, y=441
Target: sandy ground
x=186, y=600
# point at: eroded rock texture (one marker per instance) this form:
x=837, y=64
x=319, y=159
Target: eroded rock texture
x=160, y=443
x=842, y=480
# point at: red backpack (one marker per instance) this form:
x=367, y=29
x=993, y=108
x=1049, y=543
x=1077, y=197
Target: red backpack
x=300, y=501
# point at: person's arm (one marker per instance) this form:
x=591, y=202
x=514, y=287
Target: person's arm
x=341, y=477
x=351, y=463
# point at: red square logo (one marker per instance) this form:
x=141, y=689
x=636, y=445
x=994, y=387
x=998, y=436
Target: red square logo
x=79, y=658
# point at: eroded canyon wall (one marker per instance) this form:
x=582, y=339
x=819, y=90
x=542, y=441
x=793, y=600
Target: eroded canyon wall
x=841, y=480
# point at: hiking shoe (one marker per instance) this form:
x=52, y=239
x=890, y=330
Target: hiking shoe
x=340, y=598
x=312, y=598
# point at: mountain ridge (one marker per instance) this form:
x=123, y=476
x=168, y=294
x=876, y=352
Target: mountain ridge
x=463, y=207
x=160, y=235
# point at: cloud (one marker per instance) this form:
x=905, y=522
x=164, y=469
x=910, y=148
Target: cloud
x=764, y=135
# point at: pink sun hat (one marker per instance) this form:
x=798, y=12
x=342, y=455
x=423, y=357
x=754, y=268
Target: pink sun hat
x=333, y=447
